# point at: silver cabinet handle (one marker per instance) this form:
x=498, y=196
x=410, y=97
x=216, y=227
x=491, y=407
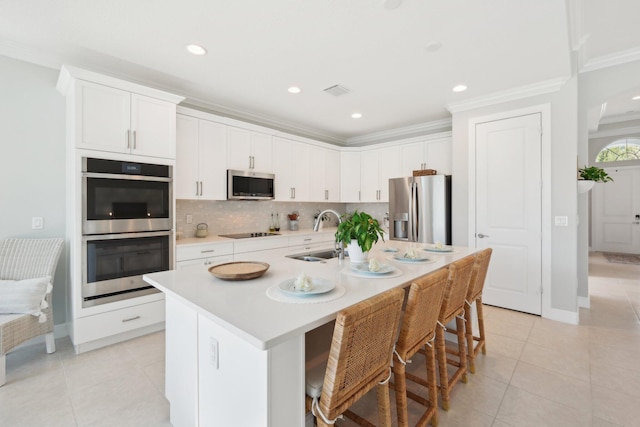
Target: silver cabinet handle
x=308, y=239
x=130, y=319
x=197, y=188
x=201, y=189
x=481, y=236
x=326, y=194
x=207, y=251
x=128, y=138
x=134, y=139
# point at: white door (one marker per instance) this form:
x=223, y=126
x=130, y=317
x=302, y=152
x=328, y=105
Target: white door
x=508, y=210
x=616, y=212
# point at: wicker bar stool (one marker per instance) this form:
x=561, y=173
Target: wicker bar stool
x=474, y=294
x=359, y=360
x=418, y=332
x=453, y=306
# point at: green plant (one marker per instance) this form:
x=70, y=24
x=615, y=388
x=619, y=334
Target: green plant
x=594, y=173
x=361, y=227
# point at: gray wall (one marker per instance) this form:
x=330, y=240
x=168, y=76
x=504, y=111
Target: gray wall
x=32, y=165
x=563, y=130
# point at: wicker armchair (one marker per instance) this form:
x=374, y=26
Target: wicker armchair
x=26, y=259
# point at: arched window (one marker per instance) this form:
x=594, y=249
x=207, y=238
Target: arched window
x=621, y=149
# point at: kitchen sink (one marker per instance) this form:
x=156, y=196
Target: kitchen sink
x=317, y=256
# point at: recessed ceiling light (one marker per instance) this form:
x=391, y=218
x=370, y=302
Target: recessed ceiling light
x=356, y=115
x=636, y=98
x=459, y=88
x=294, y=89
x=196, y=49
x=433, y=46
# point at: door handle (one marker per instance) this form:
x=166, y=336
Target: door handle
x=481, y=236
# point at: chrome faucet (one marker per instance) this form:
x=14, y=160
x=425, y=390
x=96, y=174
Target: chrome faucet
x=316, y=227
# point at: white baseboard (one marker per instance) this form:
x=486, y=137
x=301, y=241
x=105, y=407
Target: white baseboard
x=562, y=316
x=584, y=302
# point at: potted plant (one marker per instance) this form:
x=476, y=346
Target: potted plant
x=358, y=232
x=324, y=218
x=588, y=176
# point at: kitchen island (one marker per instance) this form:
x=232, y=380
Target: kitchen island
x=236, y=356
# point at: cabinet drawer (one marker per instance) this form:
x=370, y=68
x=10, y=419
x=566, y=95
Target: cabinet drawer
x=185, y=252
x=103, y=325
x=305, y=239
x=204, y=262
x=259, y=244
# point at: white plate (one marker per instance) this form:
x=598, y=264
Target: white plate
x=364, y=269
x=419, y=258
x=320, y=286
x=442, y=249
x=389, y=250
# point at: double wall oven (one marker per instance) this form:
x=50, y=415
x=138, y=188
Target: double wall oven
x=127, y=227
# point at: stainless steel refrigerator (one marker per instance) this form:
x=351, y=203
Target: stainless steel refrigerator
x=420, y=209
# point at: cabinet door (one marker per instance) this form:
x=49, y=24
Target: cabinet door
x=186, y=179
x=317, y=183
x=412, y=157
x=390, y=166
x=350, y=176
x=282, y=170
x=103, y=121
x=291, y=170
x=212, y=160
x=153, y=123
x=299, y=163
x=262, y=152
x=369, y=174
x=438, y=156
x=239, y=148
x=332, y=175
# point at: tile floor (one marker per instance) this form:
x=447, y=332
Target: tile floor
x=536, y=372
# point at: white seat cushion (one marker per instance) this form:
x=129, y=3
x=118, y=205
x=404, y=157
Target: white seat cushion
x=314, y=377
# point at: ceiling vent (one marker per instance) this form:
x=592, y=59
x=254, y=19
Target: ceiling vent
x=337, y=90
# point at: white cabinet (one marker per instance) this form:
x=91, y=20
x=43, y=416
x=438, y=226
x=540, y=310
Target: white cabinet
x=324, y=170
x=350, y=176
x=115, y=120
x=377, y=166
x=205, y=254
x=201, y=159
x=249, y=150
x=291, y=170
x=431, y=154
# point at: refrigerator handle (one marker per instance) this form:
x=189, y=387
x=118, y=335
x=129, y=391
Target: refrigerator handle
x=413, y=212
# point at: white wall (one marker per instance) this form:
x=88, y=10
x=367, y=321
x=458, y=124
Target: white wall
x=563, y=194
x=32, y=164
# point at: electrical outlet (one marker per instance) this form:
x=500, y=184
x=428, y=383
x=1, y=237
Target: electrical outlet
x=189, y=219
x=37, y=223
x=561, y=221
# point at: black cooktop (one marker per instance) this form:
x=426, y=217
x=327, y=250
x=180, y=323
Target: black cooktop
x=248, y=235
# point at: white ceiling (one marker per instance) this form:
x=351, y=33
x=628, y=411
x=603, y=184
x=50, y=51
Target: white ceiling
x=258, y=48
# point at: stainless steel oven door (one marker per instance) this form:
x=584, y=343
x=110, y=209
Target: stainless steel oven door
x=113, y=203
x=113, y=265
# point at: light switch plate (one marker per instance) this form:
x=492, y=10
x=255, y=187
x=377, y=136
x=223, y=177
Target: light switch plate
x=562, y=221
x=37, y=223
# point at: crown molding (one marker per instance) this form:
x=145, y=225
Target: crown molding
x=442, y=125
x=527, y=91
x=27, y=54
x=621, y=132
x=611, y=60
x=262, y=120
x=620, y=118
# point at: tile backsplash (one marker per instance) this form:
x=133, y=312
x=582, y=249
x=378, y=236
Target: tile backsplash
x=240, y=216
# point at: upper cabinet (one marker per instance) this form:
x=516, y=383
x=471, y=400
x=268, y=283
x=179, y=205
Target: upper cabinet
x=350, y=176
x=201, y=159
x=377, y=166
x=249, y=150
x=430, y=154
x=120, y=117
x=324, y=172
x=291, y=170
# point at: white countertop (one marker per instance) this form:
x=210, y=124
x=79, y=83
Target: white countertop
x=243, y=307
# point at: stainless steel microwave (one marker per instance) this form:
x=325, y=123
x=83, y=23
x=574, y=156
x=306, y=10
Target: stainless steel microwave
x=249, y=185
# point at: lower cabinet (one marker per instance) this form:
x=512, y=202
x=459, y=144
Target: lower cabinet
x=203, y=254
x=90, y=330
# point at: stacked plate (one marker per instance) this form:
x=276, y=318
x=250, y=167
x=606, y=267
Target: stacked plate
x=320, y=286
x=364, y=269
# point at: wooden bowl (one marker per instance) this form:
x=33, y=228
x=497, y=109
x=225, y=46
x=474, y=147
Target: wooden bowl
x=239, y=270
